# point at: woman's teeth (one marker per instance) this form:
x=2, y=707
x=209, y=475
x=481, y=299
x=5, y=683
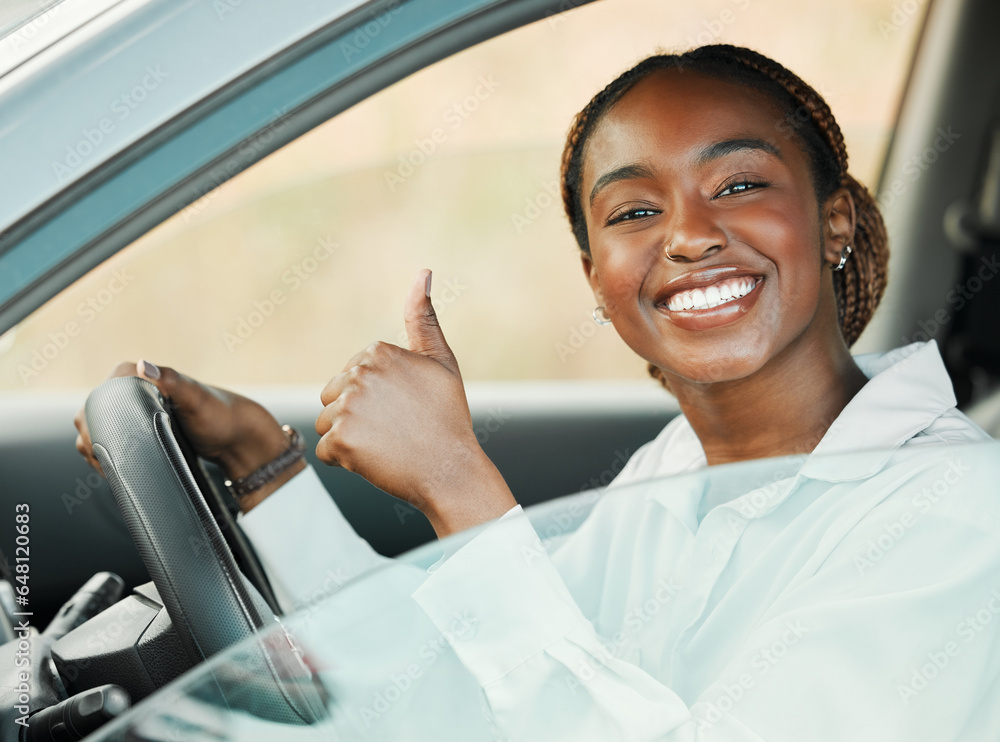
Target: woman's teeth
x=711, y=296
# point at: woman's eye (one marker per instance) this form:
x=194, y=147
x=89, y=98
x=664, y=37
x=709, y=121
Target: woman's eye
x=630, y=215
x=741, y=186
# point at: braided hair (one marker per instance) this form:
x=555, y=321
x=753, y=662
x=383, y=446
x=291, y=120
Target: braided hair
x=860, y=285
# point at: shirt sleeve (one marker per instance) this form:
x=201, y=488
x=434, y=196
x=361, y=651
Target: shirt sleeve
x=534, y=648
x=305, y=545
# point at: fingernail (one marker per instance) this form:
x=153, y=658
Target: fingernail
x=427, y=288
x=148, y=370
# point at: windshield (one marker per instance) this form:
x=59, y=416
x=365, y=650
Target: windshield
x=735, y=583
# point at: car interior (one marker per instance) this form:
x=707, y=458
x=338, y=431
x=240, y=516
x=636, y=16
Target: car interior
x=565, y=429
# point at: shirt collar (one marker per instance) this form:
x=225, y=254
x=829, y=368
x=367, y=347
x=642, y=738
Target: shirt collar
x=908, y=389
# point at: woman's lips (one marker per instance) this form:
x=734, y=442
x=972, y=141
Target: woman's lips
x=706, y=307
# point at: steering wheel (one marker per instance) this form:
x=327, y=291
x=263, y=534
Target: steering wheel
x=210, y=603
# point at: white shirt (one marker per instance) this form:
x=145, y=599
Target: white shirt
x=820, y=597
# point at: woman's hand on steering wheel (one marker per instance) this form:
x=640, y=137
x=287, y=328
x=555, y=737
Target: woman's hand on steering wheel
x=225, y=428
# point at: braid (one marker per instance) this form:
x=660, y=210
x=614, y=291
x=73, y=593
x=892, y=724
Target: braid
x=570, y=200
x=860, y=285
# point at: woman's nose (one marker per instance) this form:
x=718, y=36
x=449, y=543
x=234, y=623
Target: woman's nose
x=693, y=233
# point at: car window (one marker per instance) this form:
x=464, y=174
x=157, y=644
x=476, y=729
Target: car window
x=386, y=667
x=381, y=660
x=281, y=274
x=25, y=17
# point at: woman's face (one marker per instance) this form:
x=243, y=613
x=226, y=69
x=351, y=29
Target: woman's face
x=707, y=243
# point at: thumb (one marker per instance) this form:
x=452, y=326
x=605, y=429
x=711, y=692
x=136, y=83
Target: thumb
x=422, y=328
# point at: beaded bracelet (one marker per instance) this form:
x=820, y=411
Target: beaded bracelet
x=273, y=468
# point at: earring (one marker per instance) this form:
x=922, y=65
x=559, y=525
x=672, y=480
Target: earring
x=843, y=258
x=601, y=316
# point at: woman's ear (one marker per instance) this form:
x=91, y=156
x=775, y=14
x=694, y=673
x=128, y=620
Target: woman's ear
x=590, y=270
x=839, y=220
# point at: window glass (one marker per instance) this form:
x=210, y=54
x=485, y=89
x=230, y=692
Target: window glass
x=25, y=17
x=280, y=275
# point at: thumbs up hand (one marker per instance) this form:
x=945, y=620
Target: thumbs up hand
x=400, y=419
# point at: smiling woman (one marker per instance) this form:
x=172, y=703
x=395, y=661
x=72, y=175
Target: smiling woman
x=717, y=244
x=720, y=248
